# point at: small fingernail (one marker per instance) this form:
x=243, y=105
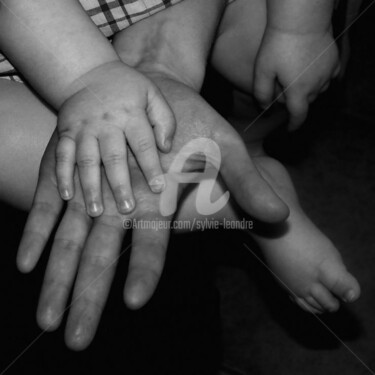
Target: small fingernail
x=127, y=205
x=94, y=208
x=157, y=184
x=65, y=194
x=349, y=296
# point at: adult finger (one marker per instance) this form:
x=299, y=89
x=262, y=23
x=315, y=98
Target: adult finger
x=95, y=274
x=63, y=262
x=44, y=213
x=149, y=247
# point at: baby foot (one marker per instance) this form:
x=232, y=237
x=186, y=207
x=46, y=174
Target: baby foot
x=300, y=256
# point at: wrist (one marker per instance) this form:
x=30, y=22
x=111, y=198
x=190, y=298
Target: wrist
x=89, y=78
x=300, y=16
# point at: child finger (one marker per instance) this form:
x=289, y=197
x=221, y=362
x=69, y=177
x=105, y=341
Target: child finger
x=88, y=161
x=298, y=108
x=264, y=87
x=279, y=93
x=65, y=161
x=163, y=120
x=114, y=157
x=142, y=142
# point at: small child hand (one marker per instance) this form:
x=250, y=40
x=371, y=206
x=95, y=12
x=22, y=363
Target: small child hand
x=302, y=64
x=117, y=105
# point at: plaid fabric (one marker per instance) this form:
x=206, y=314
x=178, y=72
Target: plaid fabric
x=110, y=16
x=114, y=16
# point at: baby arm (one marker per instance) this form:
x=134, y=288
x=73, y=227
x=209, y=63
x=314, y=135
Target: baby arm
x=298, y=56
x=101, y=102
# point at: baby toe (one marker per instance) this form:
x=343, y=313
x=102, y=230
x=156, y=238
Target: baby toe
x=345, y=286
x=325, y=298
x=304, y=305
x=312, y=301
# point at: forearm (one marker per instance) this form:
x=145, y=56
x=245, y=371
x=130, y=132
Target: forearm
x=53, y=43
x=300, y=16
x=176, y=41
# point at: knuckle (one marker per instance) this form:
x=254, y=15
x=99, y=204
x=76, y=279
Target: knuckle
x=97, y=261
x=44, y=208
x=62, y=157
x=144, y=145
x=68, y=245
x=114, y=158
x=87, y=161
x=76, y=207
x=110, y=222
x=147, y=207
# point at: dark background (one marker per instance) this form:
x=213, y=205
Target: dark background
x=216, y=305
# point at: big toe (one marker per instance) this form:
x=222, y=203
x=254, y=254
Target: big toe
x=342, y=284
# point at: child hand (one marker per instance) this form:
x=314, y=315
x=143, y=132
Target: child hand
x=302, y=64
x=116, y=105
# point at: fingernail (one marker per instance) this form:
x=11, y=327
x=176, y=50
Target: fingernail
x=94, y=208
x=157, y=184
x=349, y=296
x=65, y=193
x=127, y=205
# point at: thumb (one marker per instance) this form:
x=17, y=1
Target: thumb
x=249, y=188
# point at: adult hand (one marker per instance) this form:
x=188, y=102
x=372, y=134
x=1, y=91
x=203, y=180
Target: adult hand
x=96, y=251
